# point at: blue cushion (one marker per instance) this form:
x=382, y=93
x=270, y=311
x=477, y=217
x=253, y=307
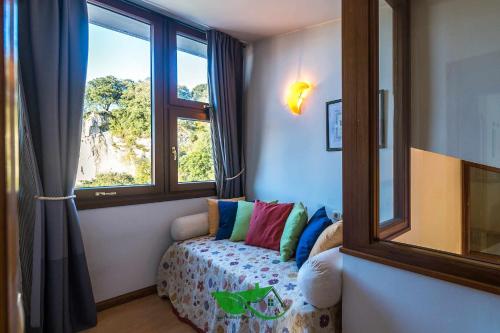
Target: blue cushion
x=227, y=216
x=318, y=222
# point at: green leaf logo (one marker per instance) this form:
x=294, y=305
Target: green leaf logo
x=230, y=303
x=238, y=303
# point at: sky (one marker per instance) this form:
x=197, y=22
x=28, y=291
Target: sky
x=127, y=57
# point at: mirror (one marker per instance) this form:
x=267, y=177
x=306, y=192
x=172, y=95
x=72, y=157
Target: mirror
x=455, y=127
x=386, y=114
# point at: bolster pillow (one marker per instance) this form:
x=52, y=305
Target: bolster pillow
x=191, y=226
x=320, y=279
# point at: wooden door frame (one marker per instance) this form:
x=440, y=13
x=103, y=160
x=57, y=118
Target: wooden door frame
x=9, y=314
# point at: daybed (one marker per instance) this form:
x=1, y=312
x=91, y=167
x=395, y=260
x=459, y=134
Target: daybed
x=191, y=270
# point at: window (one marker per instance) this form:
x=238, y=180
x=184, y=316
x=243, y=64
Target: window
x=191, y=162
x=191, y=159
x=192, y=81
x=188, y=67
x=127, y=134
x=194, y=159
x=117, y=122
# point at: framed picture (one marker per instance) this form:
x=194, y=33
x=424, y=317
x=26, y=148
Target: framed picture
x=334, y=125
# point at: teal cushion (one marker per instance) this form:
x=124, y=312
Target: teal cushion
x=242, y=222
x=294, y=225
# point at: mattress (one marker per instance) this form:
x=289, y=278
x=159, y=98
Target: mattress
x=191, y=271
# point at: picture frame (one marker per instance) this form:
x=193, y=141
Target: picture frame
x=334, y=125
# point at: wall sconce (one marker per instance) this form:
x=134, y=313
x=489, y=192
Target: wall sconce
x=296, y=94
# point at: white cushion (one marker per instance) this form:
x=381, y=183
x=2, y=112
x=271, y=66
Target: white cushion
x=191, y=226
x=320, y=279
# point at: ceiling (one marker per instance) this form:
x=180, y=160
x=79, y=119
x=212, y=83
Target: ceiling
x=250, y=20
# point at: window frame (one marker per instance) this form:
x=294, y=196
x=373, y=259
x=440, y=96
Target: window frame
x=99, y=197
x=360, y=182
x=401, y=222
x=175, y=28
x=183, y=108
x=85, y=195
x=466, y=226
x=174, y=114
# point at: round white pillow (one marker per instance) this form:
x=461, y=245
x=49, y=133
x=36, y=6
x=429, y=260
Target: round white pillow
x=191, y=226
x=320, y=279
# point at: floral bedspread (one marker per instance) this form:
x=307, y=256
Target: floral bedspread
x=191, y=270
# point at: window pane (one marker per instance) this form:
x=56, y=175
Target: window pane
x=195, y=161
x=192, y=67
x=455, y=127
x=116, y=133
x=386, y=113
x=483, y=201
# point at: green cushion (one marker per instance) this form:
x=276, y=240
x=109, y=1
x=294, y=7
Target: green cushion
x=242, y=222
x=294, y=225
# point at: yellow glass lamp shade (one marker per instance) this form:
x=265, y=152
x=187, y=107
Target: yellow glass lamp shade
x=296, y=94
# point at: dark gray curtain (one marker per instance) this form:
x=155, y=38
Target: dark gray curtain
x=225, y=79
x=29, y=219
x=53, y=51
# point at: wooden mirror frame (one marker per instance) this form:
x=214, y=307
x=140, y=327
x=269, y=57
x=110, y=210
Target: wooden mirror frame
x=360, y=155
x=400, y=223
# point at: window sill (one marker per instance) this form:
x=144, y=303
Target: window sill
x=393, y=228
x=126, y=200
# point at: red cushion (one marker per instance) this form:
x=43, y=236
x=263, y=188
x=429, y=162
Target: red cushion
x=267, y=224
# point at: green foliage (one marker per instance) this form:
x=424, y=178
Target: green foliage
x=123, y=108
x=184, y=93
x=132, y=119
x=109, y=179
x=101, y=93
x=101, y=96
x=142, y=171
x=195, y=151
x=200, y=93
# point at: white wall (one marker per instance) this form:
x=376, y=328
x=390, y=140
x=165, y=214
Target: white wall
x=285, y=154
x=382, y=299
x=124, y=244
